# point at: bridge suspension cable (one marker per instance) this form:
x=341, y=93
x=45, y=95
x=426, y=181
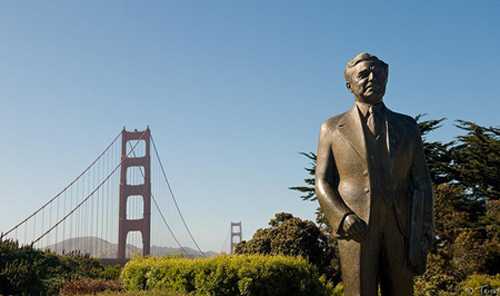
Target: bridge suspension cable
x=157, y=206
x=174, y=199
x=63, y=190
x=88, y=196
x=93, y=186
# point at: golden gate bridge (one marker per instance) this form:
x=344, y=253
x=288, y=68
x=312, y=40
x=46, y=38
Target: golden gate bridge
x=110, y=200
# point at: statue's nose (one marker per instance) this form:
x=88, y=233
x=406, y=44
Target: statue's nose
x=371, y=76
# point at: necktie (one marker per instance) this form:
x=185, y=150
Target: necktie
x=373, y=121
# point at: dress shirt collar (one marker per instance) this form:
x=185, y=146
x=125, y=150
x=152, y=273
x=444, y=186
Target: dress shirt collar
x=364, y=108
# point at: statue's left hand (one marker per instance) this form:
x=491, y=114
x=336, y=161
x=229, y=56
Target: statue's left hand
x=354, y=227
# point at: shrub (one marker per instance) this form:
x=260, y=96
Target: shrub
x=292, y=236
x=87, y=285
x=440, y=276
x=249, y=275
x=338, y=290
x=110, y=272
x=480, y=284
x=28, y=271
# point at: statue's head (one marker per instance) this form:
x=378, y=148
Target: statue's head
x=366, y=77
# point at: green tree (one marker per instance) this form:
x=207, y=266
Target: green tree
x=292, y=236
x=476, y=161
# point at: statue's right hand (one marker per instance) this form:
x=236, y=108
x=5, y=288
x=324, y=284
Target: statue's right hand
x=354, y=227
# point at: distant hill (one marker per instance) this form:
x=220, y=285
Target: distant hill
x=101, y=248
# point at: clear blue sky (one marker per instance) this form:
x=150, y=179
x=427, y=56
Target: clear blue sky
x=232, y=90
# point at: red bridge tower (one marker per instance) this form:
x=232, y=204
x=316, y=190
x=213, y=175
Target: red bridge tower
x=143, y=225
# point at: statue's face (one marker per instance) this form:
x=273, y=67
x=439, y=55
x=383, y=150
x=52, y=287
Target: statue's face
x=368, y=81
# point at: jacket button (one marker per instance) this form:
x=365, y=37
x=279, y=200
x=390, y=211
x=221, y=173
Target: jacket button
x=367, y=190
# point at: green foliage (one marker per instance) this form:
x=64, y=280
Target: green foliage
x=467, y=213
x=473, y=285
x=466, y=246
x=338, y=290
x=110, y=272
x=439, y=277
x=16, y=269
x=28, y=271
x=437, y=154
x=476, y=250
x=292, y=236
x=479, y=285
x=476, y=161
x=248, y=275
x=331, y=288
x=307, y=190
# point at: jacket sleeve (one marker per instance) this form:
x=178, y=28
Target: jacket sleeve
x=421, y=181
x=327, y=179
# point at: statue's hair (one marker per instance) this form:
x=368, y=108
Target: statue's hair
x=364, y=56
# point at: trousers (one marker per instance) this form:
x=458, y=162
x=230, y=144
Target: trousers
x=380, y=258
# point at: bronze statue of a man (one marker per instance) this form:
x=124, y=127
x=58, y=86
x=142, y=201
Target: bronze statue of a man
x=374, y=187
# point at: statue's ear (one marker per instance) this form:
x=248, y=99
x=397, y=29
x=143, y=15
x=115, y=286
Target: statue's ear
x=348, y=85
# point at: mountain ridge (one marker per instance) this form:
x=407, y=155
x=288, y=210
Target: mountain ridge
x=101, y=248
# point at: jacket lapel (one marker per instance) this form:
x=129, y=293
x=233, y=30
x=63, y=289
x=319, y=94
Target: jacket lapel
x=351, y=130
x=393, y=134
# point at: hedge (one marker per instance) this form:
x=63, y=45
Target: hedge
x=248, y=275
x=480, y=284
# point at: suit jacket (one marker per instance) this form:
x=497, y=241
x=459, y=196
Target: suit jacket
x=344, y=178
